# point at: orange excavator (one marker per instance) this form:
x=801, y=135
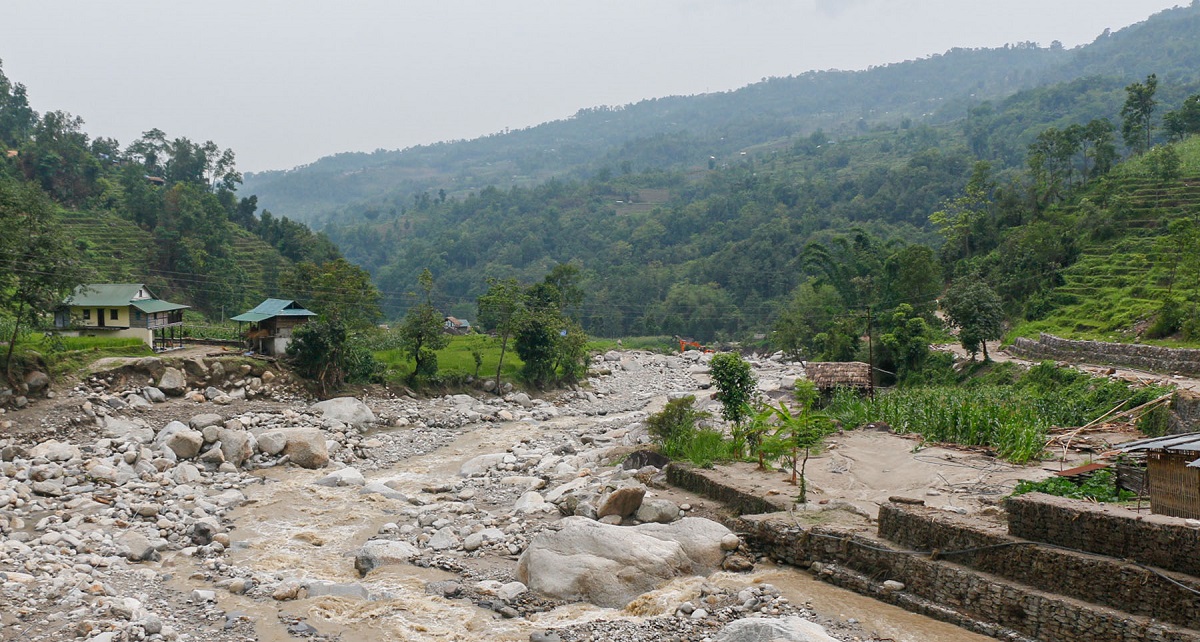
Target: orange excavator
x=684, y=344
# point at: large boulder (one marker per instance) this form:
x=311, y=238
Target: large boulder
x=54, y=450
x=611, y=565
x=347, y=410
x=272, y=442
x=172, y=382
x=122, y=429
x=700, y=538
x=381, y=552
x=761, y=629
x=306, y=448
x=623, y=501
x=154, y=395
x=479, y=465
x=202, y=421
x=662, y=511
x=180, y=439
x=236, y=445
x=37, y=381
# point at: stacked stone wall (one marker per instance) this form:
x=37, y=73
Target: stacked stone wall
x=1156, y=358
x=742, y=503
x=1020, y=593
x=1168, y=543
x=1091, y=578
x=967, y=597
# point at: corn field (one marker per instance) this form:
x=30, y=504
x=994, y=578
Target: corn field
x=1013, y=420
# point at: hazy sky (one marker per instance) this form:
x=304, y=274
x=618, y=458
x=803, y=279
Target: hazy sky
x=284, y=82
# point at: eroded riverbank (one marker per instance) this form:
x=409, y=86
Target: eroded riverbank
x=462, y=484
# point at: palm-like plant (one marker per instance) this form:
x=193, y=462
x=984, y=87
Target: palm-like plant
x=803, y=429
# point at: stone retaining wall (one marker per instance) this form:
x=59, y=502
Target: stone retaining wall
x=973, y=600
x=692, y=479
x=982, y=599
x=1156, y=540
x=1156, y=358
x=1092, y=578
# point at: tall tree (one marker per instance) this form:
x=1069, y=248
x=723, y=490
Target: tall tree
x=1185, y=121
x=37, y=265
x=499, y=310
x=1137, y=124
x=975, y=309
x=336, y=288
x=421, y=334
x=959, y=217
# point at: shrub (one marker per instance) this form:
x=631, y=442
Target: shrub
x=677, y=419
x=1100, y=487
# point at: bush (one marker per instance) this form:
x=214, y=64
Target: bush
x=675, y=429
x=677, y=419
x=1167, y=322
x=1100, y=487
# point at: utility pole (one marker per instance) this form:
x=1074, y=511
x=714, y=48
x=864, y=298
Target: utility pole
x=870, y=358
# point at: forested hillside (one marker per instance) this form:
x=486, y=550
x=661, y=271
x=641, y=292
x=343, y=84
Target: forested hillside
x=685, y=131
x=159, y=210
x=871, y=220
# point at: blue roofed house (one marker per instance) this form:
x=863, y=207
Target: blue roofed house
x=121, y=310
x=271, y=324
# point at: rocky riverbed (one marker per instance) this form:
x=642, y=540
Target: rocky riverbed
x=212, y=501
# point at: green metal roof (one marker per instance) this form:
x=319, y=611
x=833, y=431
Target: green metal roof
x=103, y=295
x=251, y=317
x=119, y=295
x=274, y=308
x=150, y=306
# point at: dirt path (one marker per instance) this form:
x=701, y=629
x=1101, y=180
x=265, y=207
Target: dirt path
x=1133, y=375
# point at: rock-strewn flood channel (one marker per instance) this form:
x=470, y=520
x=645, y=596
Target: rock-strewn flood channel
x=237, y=511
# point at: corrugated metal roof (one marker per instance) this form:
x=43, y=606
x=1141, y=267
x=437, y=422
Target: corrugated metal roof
x=150, y=306
x=251, y=317
x=105, y=294
x=274, y=308
x=1189, y=441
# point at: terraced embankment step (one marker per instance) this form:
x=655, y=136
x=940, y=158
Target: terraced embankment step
x=975, y=600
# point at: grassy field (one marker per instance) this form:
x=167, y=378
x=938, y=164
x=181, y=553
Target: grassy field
x=457, y=360
x=62, y=355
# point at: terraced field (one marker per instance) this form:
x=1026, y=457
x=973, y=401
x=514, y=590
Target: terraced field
x=1127, y=265
x=113, y=249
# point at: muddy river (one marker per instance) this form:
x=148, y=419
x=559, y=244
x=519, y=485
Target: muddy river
x=292, y=527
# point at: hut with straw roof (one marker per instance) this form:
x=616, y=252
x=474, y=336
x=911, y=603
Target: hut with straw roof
x=829, y=375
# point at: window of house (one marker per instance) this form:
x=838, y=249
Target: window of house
x=87, y=314
x=137, y=314
x=112, y=314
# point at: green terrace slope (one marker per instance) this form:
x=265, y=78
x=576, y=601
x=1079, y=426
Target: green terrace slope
x=1128, y=262
x=115, y=250
x=263, y=264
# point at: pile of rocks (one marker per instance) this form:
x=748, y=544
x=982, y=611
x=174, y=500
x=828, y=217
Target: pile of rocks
x=221, y=380
x=82, y=521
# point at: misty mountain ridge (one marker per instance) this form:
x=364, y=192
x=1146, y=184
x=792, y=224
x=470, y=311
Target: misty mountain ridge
x=683, y=131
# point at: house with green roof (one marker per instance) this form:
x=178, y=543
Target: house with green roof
x=271, y=324
x=121, y=310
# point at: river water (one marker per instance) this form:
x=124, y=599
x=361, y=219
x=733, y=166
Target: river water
x=296, y=529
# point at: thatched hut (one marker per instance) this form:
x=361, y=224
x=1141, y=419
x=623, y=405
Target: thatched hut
x=830, y=375
x=1172, y=473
